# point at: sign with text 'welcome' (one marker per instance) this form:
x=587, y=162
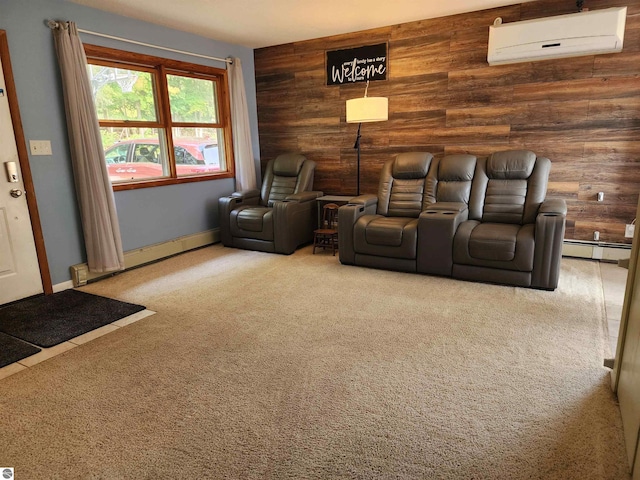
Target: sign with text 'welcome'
x=357, y=64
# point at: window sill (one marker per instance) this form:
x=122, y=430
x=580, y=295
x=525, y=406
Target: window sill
x=159, y=182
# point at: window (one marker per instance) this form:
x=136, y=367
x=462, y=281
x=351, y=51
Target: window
x=161, y=121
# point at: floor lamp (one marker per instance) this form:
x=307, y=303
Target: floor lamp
x=362, y=110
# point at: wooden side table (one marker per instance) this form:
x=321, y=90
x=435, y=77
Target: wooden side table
x=337, y=199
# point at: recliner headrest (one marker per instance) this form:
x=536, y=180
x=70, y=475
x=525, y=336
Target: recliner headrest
x=411, y=165
x=288, y=164
x=457, y=168
x=511, y=164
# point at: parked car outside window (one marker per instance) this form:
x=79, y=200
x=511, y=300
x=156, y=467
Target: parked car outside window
x=142, y=158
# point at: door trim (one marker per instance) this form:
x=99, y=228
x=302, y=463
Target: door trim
x=23, y=158
x=634, y=264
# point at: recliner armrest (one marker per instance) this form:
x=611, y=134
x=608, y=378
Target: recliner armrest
x=554, y=205
x=303, y=196
x=348, y=215
x=250, y=196
x=293, y=223
x=550, y=226
x=366, y=200
x=437, y=227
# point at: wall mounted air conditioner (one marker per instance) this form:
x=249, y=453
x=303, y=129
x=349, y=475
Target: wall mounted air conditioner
x=572, y=35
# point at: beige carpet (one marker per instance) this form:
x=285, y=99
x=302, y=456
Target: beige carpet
x=267, y=366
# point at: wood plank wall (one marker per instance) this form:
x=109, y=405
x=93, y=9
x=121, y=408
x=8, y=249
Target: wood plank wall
x=583, y=113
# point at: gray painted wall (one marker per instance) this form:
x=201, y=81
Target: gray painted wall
x=147, y=216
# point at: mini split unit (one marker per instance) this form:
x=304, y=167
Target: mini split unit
x=572, y=35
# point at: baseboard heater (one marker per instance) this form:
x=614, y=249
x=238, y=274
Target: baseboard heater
x=596, y=250
x=80, y=274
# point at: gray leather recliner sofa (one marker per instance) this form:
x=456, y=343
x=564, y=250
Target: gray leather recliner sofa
x=467, y=217
x=278, y=218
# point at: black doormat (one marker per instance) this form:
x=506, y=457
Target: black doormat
x=52, y=319
x=12, y=350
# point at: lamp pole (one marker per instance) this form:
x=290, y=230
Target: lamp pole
x=357, y=147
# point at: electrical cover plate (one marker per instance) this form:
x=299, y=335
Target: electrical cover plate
x=629, y=230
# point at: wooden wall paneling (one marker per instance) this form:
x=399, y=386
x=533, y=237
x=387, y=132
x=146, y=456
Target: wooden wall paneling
x=583, y=113
x=566, y=90
x=429, y=84
x=550, y=113
x=422, y=28
x=563, y=155
x=616, y=196
x=495, y=134
x=469, y=40
x=609, y=232
x=605, y=153
x=419, y=56
x=614, y=108
x=566, y=190
x=623, y=63
x=495, y=115
x=550, y=8
x=522, y=73
x=480, y=97
x=347, y=40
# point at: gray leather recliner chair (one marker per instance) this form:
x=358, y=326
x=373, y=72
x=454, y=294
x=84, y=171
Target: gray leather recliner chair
x=278, y=218
x=382, y=231
x=512, y=236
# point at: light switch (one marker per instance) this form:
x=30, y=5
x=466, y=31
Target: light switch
x=40, y=147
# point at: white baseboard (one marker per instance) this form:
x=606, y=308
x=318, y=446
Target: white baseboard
x=80, y=274
x=59, y=287
x=596, y=250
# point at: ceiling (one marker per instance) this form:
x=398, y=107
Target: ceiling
x=262, y=23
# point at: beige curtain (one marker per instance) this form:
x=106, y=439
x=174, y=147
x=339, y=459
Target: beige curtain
x=93, y=187
x=243, y=152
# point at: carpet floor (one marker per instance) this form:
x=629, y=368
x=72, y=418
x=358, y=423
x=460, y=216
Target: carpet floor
x=268, y=366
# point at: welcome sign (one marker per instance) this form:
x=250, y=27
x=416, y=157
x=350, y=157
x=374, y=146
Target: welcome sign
x=357, y=64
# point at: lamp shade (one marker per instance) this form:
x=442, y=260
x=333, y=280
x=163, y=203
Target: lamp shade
x=367, y=109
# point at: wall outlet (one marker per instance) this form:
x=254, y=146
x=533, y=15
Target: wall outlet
x=596, y=235
x=629, y=230
x=40, y=147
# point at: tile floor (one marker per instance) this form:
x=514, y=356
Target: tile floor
x=614, y=280
x=47, y=353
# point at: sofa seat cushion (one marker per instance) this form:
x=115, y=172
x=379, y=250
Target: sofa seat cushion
x=252, y=221
x=494, y=241
x=394, y=237
x=494, y=245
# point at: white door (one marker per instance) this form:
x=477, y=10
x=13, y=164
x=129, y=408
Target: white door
x=19, y=268
x=627, y=372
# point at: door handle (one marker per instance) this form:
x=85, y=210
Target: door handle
x=16, y=193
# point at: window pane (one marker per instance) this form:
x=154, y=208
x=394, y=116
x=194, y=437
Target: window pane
x=123, y=94
x=198, y=150
x=134, y=153
x=192, y=99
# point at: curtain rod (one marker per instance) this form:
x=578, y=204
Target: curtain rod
x=54, y=24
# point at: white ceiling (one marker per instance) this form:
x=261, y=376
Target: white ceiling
x=262, y=23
